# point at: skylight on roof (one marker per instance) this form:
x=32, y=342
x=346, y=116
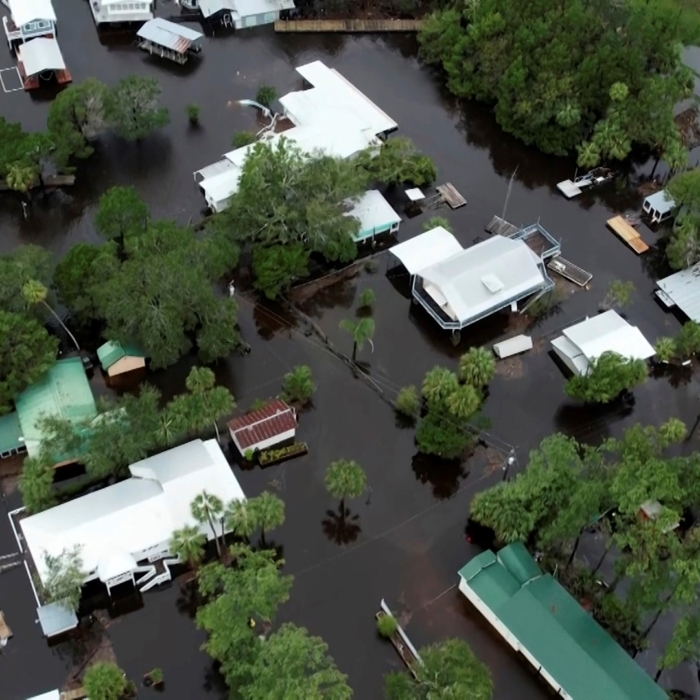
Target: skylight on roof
x=492, y=283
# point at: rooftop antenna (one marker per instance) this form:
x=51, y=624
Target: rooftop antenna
x=510, y=187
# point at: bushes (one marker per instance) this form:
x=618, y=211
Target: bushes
x=298, y=385
x=408, y=402
x=607, y=377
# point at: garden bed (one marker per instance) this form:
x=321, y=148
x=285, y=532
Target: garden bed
x=267, y=458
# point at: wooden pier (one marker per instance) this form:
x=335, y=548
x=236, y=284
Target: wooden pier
x=628, y=234
x=351, y=26
x=569, y=271
x=449, y=194
x=501, y=227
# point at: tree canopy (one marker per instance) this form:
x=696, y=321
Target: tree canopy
x=159, y=292
x=606, y=378
x=449, y=670
x=293, y=665
x=132, y=107
x=105, y=681
x=582, y=74
x=26, y=352
x=64, y=577
x=303, y=202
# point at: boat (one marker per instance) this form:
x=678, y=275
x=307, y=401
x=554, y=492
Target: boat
x=593, y=178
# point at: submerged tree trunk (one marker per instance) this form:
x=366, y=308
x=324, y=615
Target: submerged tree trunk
x=63, y=325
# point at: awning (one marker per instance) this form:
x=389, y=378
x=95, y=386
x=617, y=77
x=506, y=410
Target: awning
x=425, y=250
x=39, y=55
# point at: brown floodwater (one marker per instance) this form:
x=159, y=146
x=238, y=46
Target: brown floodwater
x=404, y=541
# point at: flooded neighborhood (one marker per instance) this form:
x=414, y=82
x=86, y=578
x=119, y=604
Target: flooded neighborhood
x=271, y=428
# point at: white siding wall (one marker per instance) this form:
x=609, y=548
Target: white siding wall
x=264, y=444
x=510, y=638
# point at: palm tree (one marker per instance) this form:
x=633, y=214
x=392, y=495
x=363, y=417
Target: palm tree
x=20, y=177
x=361, y=330
x=665, y=349
x=206, y=508
x=269, y=512
x=34, y=292
x=188, y=543
x=345, y=478
x=588, y=155
x=464, y=402
x=298, y=385
x=214, y=401
x=241, y=518
x=676, y=156
x=438, y=384
x=477, y=367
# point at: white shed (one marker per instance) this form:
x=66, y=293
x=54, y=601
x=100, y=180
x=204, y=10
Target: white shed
x=659, y=206
x=607, y=332
x=375, y=214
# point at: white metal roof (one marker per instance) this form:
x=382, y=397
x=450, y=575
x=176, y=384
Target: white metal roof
x=24, y=11
x=609, y=332
x=426, y=249
x=333, y=96
x=120, y=521
x=373, y=211
x=51, y=695
x=211, y=7
x=484, y=277
x=661, y=202
x=173, y=36
x=38, y=55
x=683, y=288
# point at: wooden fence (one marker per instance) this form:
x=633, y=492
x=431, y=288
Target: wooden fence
x=349, y=25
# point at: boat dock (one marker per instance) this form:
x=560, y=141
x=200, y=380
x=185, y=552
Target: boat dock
x=569, y=271
x=538, y=240
x=628, y=234
x=501, y=227
x=408, y=653
x=350, y=26
x=449, y=194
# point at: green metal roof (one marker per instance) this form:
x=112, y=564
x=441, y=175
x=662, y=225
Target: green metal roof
x=569, y=644
x=113, y=351
x=63, y=391
x=475, y=565
x=518, y=562
x=10, y=433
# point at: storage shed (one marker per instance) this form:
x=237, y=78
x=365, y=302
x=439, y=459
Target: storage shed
x=541, y=620
x=584, y=342
x=659, y=206
x=375, y=214
x=273, y=424
x=118, y=359
x=169, y=40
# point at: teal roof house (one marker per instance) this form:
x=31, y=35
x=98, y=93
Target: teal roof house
x=117, y=358
x=563, y=642
x=375, y=214
x=64, y=392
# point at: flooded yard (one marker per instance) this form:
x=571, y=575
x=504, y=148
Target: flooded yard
x=404, y=541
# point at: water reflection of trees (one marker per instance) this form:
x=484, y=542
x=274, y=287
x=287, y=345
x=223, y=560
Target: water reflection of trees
x=445, y=476
x=341, y=526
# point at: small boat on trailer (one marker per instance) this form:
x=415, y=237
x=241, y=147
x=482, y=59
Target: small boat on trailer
x=573, y=188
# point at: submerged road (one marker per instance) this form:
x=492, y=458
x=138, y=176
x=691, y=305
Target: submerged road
x=407, y=541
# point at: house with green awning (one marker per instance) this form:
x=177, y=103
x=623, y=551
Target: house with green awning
x=539, y=619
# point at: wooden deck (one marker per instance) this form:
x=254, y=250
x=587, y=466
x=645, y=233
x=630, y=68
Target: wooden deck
x=449, y=194
x=628, y=234
x=501, y=227
x=569, y=271
x=349, y=25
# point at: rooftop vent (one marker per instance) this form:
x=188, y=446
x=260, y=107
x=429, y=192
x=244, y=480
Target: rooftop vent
x=492, y=283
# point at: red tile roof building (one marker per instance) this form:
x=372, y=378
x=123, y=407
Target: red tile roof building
x=267, y=426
